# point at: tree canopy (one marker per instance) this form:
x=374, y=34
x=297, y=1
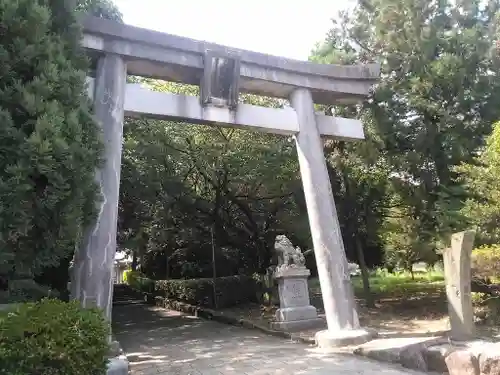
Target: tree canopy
x=187, y=191
x=49, y=143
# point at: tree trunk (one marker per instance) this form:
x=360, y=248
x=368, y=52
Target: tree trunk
x=167, y=271
x=364, y=275
x=134, y=261
x=410, y=269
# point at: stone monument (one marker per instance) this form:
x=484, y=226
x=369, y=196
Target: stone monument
x=457, y=271
x=291, y=274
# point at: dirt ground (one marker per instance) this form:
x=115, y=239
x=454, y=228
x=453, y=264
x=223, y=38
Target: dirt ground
x=420, y=314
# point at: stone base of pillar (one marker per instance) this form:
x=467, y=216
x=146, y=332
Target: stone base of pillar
x=117, y=366
x=335, y=339
x=114, y=348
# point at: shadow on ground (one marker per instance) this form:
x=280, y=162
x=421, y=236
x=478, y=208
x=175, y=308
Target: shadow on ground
x=160, y=341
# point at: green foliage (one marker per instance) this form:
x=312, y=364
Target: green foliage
x=126, y=275
x=100, y=8
x=385, y=284
x=486, y=261
x=53, y=337
x=434, y=102
x=483, y=173
x=49, y=143
x=26, y=290
x=139, y=282
x=182, y=183
x=486, y=308
x=405, y=242
x=479, y=299
x=231, y=290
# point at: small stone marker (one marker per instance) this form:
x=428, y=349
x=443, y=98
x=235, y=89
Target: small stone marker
x=295, y=310
x=457, y=270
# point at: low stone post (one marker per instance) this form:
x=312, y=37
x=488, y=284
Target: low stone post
x=457, y=271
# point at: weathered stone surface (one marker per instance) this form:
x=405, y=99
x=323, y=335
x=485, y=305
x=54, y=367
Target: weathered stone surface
x=413, y=357
x=143, y=102
x=295, y=312
x=325, y=230
x=349, y=337
x=383, y=349
x=117, y=366
x=92, y=273
x=462, y=362
x=173, y=58
x=435, y=356
x=457, y=269
x=489, y=360
x=296, y=325
x=293, y=292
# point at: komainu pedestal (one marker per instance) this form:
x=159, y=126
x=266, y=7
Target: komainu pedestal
x=295, y=312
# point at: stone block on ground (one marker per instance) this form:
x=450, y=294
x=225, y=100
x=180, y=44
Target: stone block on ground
x=412, y=357
x=462, y=362
x=435, y=356
x=489, y=360
x=389, y=349
x=118, y=366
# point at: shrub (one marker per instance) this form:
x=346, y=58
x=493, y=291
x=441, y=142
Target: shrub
x=139, y=282
x=49, y=142
x=486, y=308
x=26, y=290
x=126, y=275
x=231, y=290
x=486, y=262
x=54, y=338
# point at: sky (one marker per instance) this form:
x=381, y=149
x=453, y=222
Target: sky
x=276, y=27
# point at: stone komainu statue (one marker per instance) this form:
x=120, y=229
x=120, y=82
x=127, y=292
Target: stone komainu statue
x=288, y=256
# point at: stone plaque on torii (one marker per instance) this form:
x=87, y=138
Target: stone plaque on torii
x=222, y=73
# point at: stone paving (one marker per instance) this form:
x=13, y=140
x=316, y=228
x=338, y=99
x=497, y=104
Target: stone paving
x=165, y=342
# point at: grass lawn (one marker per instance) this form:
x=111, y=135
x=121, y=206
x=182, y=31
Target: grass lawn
x=401, y=284
x=404, y=306
x=403, y=303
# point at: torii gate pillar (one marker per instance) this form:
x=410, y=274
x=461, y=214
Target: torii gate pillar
x=331, y=262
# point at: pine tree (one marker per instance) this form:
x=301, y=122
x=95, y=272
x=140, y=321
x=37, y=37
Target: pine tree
x=435, y=102
x=49, y=143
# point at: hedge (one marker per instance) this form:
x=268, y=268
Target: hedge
x=231, y=290
x=53, y=337
x=139, y=282
x=486, y=262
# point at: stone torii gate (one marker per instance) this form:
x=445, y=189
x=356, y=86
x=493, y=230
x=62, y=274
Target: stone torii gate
x=222, y=73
